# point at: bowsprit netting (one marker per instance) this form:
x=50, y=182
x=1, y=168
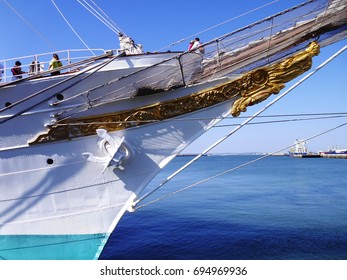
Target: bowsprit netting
x=259, y=44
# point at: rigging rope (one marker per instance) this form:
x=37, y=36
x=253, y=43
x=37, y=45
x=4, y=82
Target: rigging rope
x=241, y=125
x=341, y=115
x=110, y=20
x=282, y=121
x=236, y=168
x=30, y=26
x=74, y=31
x=105, y=19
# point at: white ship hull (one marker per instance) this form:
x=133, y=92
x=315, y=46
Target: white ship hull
x=52, y=196
x=76, y=150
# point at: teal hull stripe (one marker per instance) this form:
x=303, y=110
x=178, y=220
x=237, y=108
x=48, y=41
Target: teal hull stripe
x=52, y=247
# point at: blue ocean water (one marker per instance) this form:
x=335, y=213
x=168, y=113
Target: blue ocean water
x=277, y=208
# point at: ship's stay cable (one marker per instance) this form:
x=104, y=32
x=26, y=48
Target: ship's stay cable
x=323, y=116
x=101, y=16
x=73, y=30
x=292, y=115
x=106, y=16
x=237, y=167
x=217, y=25
x=283, y=121
x=241, y=125
x=30, y=26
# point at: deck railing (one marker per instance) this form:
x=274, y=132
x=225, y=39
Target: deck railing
x=39, y=63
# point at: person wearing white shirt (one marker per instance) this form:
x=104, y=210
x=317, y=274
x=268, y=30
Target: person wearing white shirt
x=128, y=45
x=197, y=46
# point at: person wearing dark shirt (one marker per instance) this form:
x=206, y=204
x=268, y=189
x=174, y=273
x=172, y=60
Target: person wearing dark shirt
x=17, y=71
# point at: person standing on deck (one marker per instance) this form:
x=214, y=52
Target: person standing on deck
x=191, y=43
x=197, y=46
x=35, y=67
x=55, y=63
x=17, y=71
x=128, y=46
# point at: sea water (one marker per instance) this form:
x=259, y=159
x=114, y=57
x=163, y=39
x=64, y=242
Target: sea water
x=276, y=208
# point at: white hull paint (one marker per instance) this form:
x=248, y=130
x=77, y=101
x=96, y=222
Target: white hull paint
x=58, y=203
x=50, y=189
x=73, y=196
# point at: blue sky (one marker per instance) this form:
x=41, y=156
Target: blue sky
x=157, y=24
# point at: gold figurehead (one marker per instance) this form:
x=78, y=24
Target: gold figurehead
x=274, y=77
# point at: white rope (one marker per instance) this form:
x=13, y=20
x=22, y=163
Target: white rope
x=241, y=125
x=30, y=26
x=79, y=37
x=343, y=115
x=109, y=19
x=101, y=18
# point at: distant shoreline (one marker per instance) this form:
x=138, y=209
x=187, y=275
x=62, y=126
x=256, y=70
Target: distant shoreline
x=337, y=156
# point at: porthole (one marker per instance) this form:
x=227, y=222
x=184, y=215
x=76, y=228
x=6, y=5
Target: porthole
x=50, y=161
x=60, y=97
